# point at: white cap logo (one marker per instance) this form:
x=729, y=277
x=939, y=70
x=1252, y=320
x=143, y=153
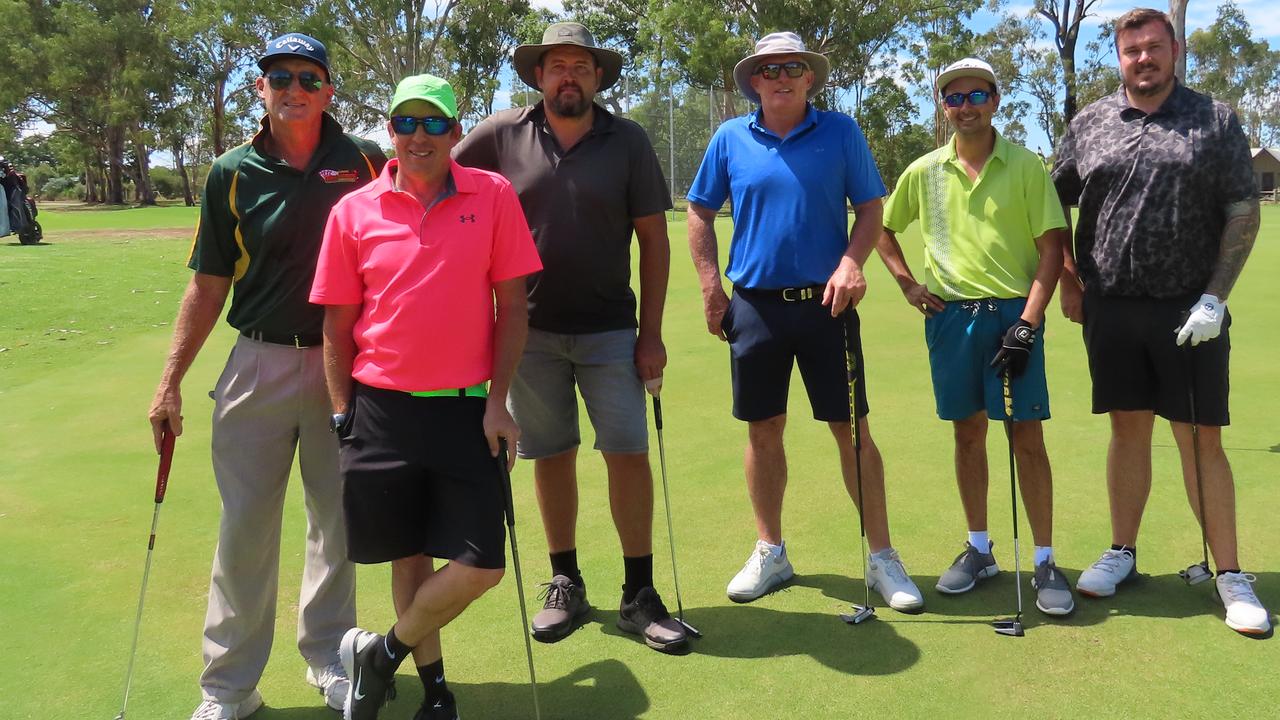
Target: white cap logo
x=293, y=42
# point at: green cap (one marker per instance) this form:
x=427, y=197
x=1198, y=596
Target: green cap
x=430, y=88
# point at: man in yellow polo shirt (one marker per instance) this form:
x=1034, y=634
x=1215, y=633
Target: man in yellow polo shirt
x=993, y=232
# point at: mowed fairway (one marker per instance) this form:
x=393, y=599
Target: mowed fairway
x=84, y=327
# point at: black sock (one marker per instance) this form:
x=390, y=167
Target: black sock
x=393, y=653
x=1228, y=570
x=638, y=573
x=434, y=688
x=1133, y=549
x=566, y=563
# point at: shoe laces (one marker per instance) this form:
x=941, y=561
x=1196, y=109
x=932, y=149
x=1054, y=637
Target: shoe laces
x=1238, y=587
x=893, y=567
x=209, y=710
x=1110, y=561
x=648, y=606
x=330, y=674
x=555, y=595
x=758, y=558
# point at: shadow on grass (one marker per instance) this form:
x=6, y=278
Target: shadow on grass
x=607, y=687
x=42, y=243
x=1159, y=596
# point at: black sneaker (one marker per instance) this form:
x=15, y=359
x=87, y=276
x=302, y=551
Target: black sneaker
x=647, y=617
x=370, y=690
x=563, y=610
x=446, y=709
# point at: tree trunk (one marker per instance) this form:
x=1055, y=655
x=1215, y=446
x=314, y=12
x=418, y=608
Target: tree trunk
x=115, y=165
x=1178, y=11
x=176, y=149
x=146, y=194
x=90, y=183
x=219, y=116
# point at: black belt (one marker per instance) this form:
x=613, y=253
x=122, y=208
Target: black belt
x=791, y=294
x=298, y=341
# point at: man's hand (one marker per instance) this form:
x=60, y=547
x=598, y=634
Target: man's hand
x=1015, y=349
x=498, y=423
x=919, y=297
x=845, y=287
x=1071, y=295
x=650, y=356
x=166, y=408
x=715, y=303
x=1204, y=321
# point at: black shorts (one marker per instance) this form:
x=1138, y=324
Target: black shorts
x=418, y=479
x=1136, y=363
x=767, y=332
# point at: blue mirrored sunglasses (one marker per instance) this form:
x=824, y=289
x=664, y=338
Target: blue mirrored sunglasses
x=975, y=98
x=408, y=125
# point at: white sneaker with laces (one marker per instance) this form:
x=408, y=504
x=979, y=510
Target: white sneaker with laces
x=331, y=680
x=214, y=710
x=1101, y=578
x=763, y=572
x=887, y=576
x=1245, y=613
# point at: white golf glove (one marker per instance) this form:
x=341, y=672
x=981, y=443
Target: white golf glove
x=1205, y=321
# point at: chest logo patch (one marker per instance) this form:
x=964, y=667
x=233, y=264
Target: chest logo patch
x=339, y=176
x=467, y=218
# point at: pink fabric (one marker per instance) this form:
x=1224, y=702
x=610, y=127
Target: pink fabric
x=424, y=279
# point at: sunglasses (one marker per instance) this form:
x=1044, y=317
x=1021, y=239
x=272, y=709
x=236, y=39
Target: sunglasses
x=282, y=79
x=975, y=98
x=771, y=71
x=408, y=125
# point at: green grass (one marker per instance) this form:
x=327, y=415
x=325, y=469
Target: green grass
x=77, y=472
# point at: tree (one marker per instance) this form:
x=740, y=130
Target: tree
x=1178, y=12
x=1231, y=66
x=1065, y=17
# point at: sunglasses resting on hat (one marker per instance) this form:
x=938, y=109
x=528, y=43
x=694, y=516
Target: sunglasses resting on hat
x=408, y=125
x=771, y=71
x=282, y=79
x=975, y=98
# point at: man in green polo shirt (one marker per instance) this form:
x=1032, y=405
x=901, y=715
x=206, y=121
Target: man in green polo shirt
x=261, y=222
x=993, y=232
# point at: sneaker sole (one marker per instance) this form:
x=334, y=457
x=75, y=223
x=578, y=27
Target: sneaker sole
x=1056, y=612
x=673, y=648
x=555, y=634
x=775, y=582
x=989, y=571
x=912, y=609
x=1248, y=630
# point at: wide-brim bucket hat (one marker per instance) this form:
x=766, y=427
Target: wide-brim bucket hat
x=525, y=57
x=780, y=43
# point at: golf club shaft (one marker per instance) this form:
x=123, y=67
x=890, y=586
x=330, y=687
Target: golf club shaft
x=1013, y=486
x=510, y=512
x=162, y=484
x=852, y=369
x=666, y=500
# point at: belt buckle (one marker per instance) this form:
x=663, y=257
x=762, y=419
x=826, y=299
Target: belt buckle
x=800, y=294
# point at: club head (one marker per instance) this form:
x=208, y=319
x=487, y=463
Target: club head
x=1196, y=574
x=859, y=614
x=691, y=630
x=1012, y=628
x=120, y=716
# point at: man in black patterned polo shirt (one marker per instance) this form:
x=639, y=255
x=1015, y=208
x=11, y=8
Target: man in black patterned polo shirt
x=1168, y=214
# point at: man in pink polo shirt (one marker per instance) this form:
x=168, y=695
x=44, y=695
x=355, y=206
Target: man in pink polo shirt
x=410, y=272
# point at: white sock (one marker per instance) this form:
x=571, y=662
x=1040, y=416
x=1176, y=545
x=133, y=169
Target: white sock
x=979, y=540
x=778, y=550
x=1044, y=554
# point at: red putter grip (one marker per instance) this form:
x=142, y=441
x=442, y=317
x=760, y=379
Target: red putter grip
x=166, y=461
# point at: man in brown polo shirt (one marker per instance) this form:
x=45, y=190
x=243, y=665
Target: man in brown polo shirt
x=586, y=180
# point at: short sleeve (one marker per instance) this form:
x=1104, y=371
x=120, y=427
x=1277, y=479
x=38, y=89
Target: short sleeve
x=215, y=251
x=338, y=280
x=1235, y=181
x=647, y=192
x=478, y=148
x=514, y=253
x=903, y=206
x=1066, y=171
x=1044, y=208
x=710, y=186
x=862, y=178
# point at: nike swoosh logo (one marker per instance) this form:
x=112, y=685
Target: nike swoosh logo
x=359, y=679
x=440, y=679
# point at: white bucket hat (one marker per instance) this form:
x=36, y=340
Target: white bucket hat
x=780, y=43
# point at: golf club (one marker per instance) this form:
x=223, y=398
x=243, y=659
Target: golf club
x=162, y=484
x=654, y=388
x=510, y=512
x=866, y=611
x=1012, y=628
x=1198, y=573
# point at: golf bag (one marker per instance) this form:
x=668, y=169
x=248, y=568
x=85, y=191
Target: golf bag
x=22, y=208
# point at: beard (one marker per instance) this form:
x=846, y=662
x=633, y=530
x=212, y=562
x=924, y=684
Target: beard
x=567, y=107
x=1149, y=88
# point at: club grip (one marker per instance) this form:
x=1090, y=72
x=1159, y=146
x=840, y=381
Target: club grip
x=509, y=505
x=166, y=461
x=657, y=412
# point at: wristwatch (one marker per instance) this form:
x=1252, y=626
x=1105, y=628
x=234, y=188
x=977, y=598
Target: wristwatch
x=337, y=422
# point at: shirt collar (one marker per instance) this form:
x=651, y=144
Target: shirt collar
x=999, y=152
x=1175, y=103
x=459, y=179
x=602, y=120
x=810, y=119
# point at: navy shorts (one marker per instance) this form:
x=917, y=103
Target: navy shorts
x=1136, y=363
x=418, y=479
x=767, y=333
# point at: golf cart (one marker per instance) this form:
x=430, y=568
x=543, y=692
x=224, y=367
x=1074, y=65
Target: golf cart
x=20, y=209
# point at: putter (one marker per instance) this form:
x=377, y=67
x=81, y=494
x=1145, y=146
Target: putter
x=666, y=499
x=1013, y=627
x=510, y=512
x=866, y=611
x=162, y=484
x=1198, y=573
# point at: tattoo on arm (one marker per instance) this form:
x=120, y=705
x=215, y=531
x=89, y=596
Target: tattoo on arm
x=1238, y=235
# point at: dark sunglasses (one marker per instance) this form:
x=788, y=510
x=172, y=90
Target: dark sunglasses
x=282, y=79
x=408, y=125
x=975, y=98
x=771, y=71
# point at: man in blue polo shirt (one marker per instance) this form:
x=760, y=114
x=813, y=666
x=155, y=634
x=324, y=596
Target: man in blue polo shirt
x=789, y=169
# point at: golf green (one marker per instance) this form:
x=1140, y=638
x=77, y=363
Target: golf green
x=84, y=327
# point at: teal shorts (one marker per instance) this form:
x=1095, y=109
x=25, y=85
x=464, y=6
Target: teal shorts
x=962, y=341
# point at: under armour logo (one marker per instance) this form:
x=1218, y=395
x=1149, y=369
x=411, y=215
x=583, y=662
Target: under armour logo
x=467, y=218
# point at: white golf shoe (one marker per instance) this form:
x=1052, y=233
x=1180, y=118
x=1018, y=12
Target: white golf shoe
x=1245, y=613
x=887, y=576
x=1101, y=578
x=331, y=681
x=762, y=572
x=214, y=710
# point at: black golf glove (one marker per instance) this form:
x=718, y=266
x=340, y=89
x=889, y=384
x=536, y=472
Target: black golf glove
x=1015, y=349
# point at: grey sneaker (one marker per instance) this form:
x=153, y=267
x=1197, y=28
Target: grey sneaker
x=1053, y=592
x=969, y=567
x=564, y=608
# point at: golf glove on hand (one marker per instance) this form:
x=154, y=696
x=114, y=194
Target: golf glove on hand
x=1015, y=349
x=1204, y=321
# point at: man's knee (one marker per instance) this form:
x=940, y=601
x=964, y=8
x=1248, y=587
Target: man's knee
x=768, y=432
x=476, y=581
x=971, y=433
